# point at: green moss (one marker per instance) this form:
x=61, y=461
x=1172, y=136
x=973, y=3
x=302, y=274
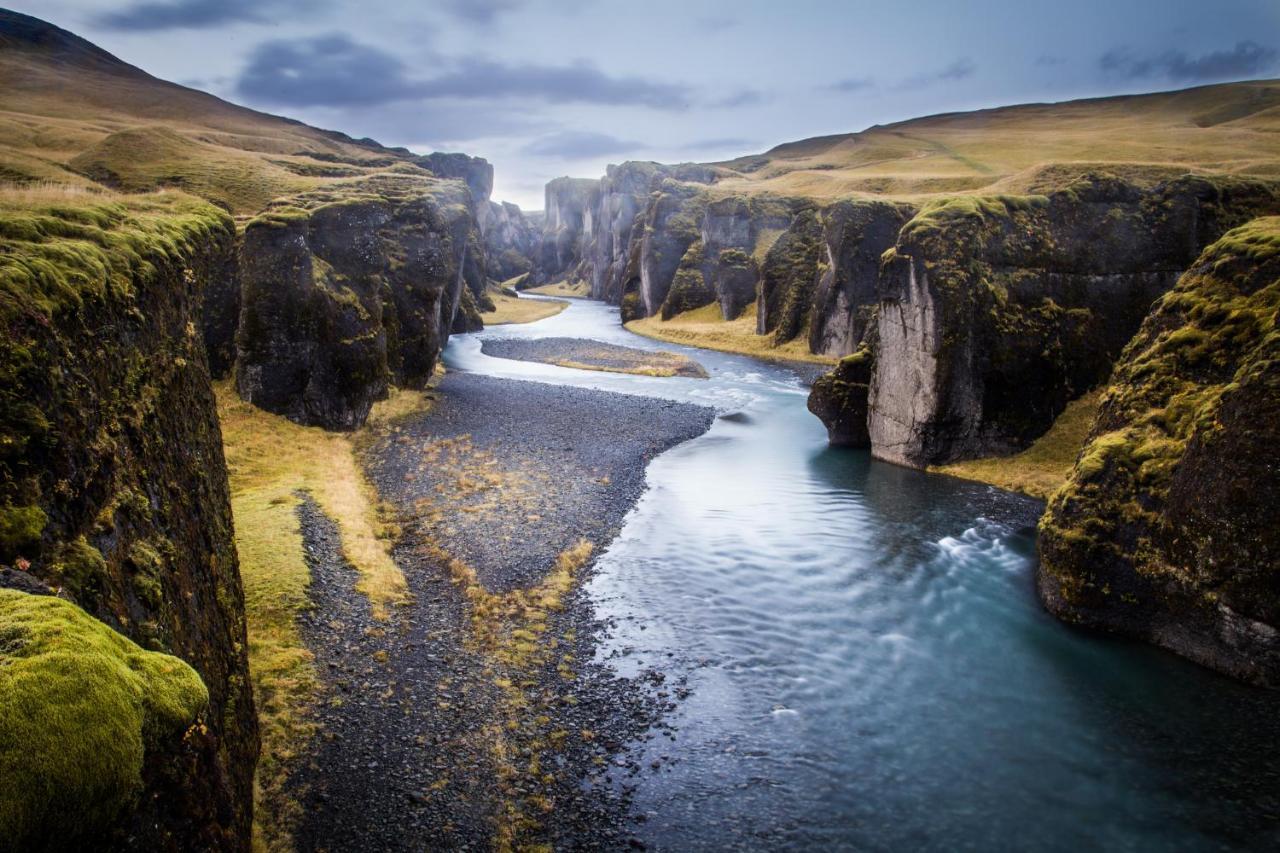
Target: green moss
x=80, y=706
x=56, y=255
x=1202, y=339
x=20, y=529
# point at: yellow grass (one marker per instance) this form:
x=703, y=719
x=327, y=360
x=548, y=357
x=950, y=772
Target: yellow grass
x=704, y=327
x=269, y=459
x=513, y=309
x=61, y=121
x=580, y=289
x=1224, y=128
x=1043, y=467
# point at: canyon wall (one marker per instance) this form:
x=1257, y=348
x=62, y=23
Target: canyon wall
x=995, y=312
x=113, y=496
x=349, y=289
x=1167, y=529
x=660, y=239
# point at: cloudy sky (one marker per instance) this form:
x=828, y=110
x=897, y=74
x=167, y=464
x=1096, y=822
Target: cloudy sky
x=553, y=88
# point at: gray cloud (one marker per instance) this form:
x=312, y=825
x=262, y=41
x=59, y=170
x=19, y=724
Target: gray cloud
x=576, y=145
x=1049, y=60
x=333, y=70
x=579, y=82
x=851, y=84
x=958, y=70
x=482, y=12
x=154, y=16
x=440, y=124
x=328, y=70
x=742, y=98
x=1246, y=59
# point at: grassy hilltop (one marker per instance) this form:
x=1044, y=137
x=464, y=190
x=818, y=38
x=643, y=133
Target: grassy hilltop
x=71, y=113
x=1226, y=128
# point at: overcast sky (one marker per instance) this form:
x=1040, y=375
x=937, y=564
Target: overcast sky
x=553, y=88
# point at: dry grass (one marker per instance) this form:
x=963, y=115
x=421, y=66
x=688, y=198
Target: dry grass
x=269, y=460
x=704, y=327
x=513, y=309
x=1225, y=128
x=1043, y=467
x=71, y=118
x=579, y=289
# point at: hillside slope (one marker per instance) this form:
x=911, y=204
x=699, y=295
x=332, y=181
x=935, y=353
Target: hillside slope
x=72, y=113
x=1228, y=127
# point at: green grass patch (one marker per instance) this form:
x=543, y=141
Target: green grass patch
x=1042, y=468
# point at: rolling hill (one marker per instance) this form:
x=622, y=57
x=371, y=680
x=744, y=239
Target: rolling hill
x=71, y=113
x=1227, y=128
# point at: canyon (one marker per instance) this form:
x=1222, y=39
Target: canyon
x=175, y=261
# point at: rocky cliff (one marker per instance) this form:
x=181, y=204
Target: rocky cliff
x=1167, y=529
x=994, y=312
x=350, y=289
x=568, y=222
x=662, y=239
x=113, y=494
x=511, y=241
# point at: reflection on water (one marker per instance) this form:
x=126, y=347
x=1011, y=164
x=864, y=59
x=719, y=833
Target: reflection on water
x=868, y=663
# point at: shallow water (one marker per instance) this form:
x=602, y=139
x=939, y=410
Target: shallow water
x=868, y=663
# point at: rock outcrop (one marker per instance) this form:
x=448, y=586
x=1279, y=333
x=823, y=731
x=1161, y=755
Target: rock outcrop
x=113, y=494
x=855, y=235
x=660, y=239
x=349, y=289
x=568, y=222
x=511, y=242
x=995, y=312
x=839, y=399
x=1167, y=529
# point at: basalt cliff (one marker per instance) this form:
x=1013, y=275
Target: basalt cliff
x=170, y=239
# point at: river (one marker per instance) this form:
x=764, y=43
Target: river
x=868, y=665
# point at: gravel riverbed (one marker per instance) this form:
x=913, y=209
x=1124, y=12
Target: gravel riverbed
x=476, y=714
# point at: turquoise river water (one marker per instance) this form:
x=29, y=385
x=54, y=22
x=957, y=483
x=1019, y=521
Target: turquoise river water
x=869, y=667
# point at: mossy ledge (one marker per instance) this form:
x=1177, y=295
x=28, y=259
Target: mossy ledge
x=1166, y=529
x=351, y=289
x=81, y=707
x=113, y=489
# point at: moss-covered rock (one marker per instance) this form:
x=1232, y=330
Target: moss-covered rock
x=349, y=289
x=82, y=711
x=672, y=224
x=839, y=399
x=1167, y=529
x=789, y=276
x=110, y=453
x=995, y=312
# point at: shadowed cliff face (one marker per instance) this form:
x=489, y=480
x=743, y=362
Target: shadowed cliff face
x=659, y=239
x=113, y=487
x=346, y=292
x=1167, y=527
x=995, y=312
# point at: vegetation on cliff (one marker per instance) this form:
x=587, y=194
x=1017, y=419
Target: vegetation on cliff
x=82, y=706
x=112, y=483
x=1165, y=528
x=272, y=462
x=1042, y=468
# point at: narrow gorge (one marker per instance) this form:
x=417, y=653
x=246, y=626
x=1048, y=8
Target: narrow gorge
x=912, y=488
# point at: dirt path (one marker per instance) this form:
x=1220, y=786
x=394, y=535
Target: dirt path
x=475, y=717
